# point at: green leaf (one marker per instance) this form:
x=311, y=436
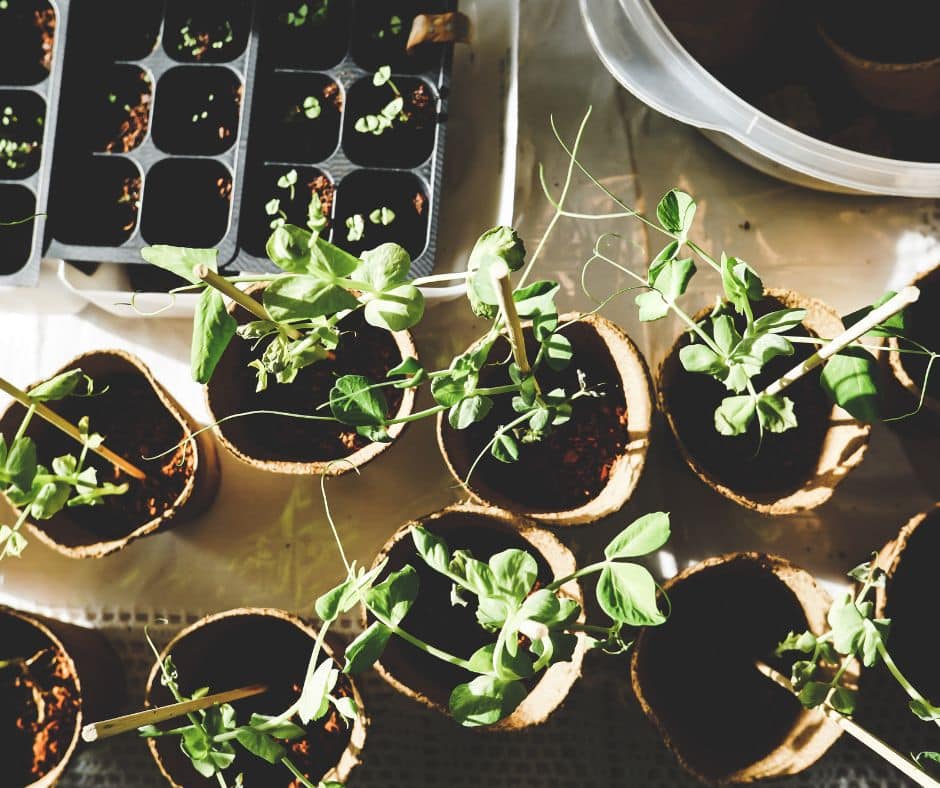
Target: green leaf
x=282, y=730
x=675, y=212
x=802, y=641
x=924, y=711
x=330, y=259
x=482, y=661
x=927, y=755
x=843, y=700
x=50, y=499
x=21, y=464
x=260, y=744
x=469, y=411
x=725, y=334
x=813, y=694
x=668, y=278
x=741, y=282
x=558, y=352
x=734, y=414
x=475, y=573
x=780, y=321
x=355, y=400
x=775, y=413
x=393, y=598
x=515, y=572
x=396, y=309
x=848, y=626
x=627, y=593
x=450, y=388
x=485, y=700
x=299, y=297
x=314, y=699
x=894, y=326
x=414, y=373
x=180, y=260
x=496, y=244
x=382, y=75
x=850, y=380
x=505, y=448
x=385, y=266
x=289, y=249
x=363, y=652
x=432, y=549
x=759, y=350
x=701, y=358
x=536, y=299
x=58, y=387
x=642, y=537
x=213, y=329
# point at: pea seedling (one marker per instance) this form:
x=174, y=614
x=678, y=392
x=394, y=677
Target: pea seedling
x=355, y=227
x=210, y=737
x=198, y=42
x=391, y=112
x=393, y=28
x=302, y=15
x=42, y=492
x=855, y=634
x=532, y=627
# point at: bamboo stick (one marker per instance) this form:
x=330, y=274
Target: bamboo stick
x=69, y=429
x=500, y=274
x=241, y=298
x=876, y=745
x=130, y=722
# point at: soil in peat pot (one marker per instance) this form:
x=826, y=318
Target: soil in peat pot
x=39, y=704
x=773, y=467
x=362, y=350
x=273, y=652
x=912, y=600
x=924, y=327
x=433, y=618
x=408, y=143
x=698, y=673
x=572, y=464
x=135, y=424
x=27, y=36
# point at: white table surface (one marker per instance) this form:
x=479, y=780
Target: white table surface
x=265, y=541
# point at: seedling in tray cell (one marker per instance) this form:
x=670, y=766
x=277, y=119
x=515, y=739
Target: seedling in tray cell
x=356, y=224
x=389, y=122
x=198, y=110
x=40, y=492
x=213, y=32
x=307, y=13
x=299, y=117
x=114, y=108
x=381, y=31
x=305, y=34
x=22, y=115
x=27, y=36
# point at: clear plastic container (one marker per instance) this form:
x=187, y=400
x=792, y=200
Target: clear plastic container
x=643, y=55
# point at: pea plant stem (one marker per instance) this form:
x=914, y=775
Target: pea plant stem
x=855, y=730
x=890, y=308
x=511, y=317
x=225, y=287
x=45, y=412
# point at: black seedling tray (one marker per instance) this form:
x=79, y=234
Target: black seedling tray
x=153, y=136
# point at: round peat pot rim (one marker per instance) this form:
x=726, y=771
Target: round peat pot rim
x=844, y=444
x=340, y=465
x=351, y=756
x=892, y=554
x=553, y=687
x=203, y=454
x=867, y=64
x=812, y=734
x=898, y=370
x=627, y=469
x=51, y=777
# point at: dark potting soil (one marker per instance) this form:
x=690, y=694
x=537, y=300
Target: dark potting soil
x=93, y=40
x=434, y=619
x=362, y=350
x=198, y=110
x=319, y=43
x=912, y=601
x=774, y=467
x=135, y=424
x=16, y=241
x=572, y=464
x=39, y=703
x=698, y=674
x=408, y=143
x=792, y=75
x=27, y=36
x=270, y=651
x=212, y=31
x=255, y=224
x=924, y=327
x=114, y=106
x=98, y=204
x=363, y=191
x=22, y=116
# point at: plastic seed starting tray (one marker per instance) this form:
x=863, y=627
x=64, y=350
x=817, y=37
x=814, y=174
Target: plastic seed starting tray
x=175, y=121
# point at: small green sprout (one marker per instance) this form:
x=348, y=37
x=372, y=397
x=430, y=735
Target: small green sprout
x=355, y=227
x=393, y=28
x=311, y=107
x=302, y=15
x=394, y=110
x=384, y=216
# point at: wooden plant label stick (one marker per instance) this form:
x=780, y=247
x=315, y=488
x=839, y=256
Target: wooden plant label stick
x=500, y=274
x=855, y=730
x=69, y=429
x=131, y=722
x=225, y=287
x=878, y=315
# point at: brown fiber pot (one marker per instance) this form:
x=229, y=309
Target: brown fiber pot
x=485, y=531
x=90, y=661
x=843, y=446
x=234, y=649
x=61, y=532
x=217, y=392
x=617, y=352
x=925, y=307
x=695, y=677
x=909, y=598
